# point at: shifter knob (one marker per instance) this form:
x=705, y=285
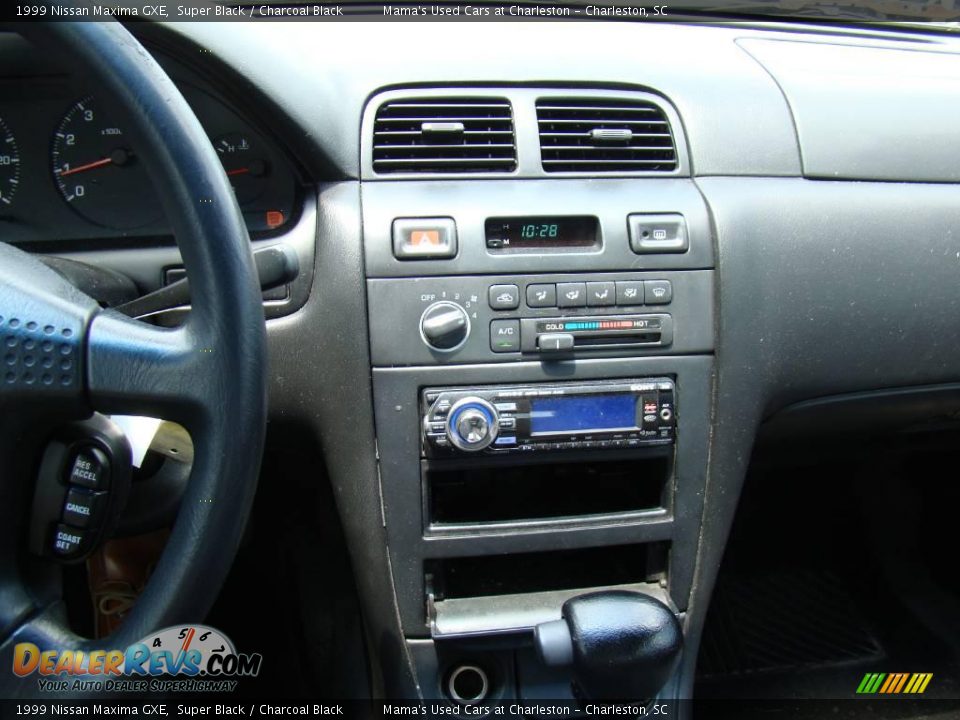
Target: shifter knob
x=620, y=645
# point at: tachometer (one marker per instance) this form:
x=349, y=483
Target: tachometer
x=97, y=171
x=9, y=165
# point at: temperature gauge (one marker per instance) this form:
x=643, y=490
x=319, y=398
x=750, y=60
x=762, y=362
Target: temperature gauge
x=245, y=166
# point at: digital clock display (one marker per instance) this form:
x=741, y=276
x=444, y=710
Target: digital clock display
x=541, y=233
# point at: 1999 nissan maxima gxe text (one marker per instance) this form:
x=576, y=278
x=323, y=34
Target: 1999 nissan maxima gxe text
x=380, y=365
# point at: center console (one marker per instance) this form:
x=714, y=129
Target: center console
x=542, y=353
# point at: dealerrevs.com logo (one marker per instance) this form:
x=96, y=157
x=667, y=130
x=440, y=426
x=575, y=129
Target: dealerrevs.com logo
x=194, y=658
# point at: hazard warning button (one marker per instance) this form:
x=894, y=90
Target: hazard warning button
x=424, y=238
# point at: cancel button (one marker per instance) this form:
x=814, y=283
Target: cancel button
x=83, y=508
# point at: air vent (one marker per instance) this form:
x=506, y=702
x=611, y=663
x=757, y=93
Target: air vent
x=444, y=135
x=604, y=135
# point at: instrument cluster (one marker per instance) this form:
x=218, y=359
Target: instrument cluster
x=69, y=172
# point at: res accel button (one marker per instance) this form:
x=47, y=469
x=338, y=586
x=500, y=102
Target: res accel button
x=90, y=469
x=424, y=238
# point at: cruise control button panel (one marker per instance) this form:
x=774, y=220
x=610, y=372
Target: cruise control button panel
x=82, y=485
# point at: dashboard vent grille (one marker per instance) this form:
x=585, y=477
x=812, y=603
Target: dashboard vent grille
x=444, y=135
x=604, y=135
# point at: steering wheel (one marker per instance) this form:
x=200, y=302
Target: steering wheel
x=63, y=358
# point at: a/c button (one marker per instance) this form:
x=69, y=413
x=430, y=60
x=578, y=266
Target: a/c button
x=505, y=336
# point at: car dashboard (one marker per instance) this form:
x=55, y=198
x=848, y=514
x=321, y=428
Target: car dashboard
x=547, y=295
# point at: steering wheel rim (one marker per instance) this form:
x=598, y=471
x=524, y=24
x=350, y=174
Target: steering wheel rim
x=209, y=375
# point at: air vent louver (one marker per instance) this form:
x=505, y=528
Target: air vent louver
x=444, y=135
x=604, y=135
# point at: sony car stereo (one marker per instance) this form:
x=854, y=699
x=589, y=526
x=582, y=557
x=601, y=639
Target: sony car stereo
x=555, y=416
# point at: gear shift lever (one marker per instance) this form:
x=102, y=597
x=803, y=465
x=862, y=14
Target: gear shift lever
x=620, y=645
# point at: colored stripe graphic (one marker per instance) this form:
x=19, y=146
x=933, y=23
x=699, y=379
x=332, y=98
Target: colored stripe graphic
x=894, y=683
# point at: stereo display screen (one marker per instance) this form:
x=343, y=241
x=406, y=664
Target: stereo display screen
x=583, y=413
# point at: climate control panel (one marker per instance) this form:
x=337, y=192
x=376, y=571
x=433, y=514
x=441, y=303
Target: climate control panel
x=443, y=320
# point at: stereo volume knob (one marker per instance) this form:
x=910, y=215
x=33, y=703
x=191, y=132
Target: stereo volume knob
x=472, y=424
x=444, y=326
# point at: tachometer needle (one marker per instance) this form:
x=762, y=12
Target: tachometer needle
x=88, y=166
x=119, y=157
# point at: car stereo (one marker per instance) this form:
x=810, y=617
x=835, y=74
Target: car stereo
x=555, y=416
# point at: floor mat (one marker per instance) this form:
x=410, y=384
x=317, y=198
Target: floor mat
x=782, y=621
